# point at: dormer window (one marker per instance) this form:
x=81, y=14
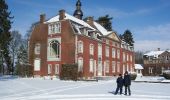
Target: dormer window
x=99, y=37
x=54, y=28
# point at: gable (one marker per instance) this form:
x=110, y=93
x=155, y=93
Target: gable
x=113, y=36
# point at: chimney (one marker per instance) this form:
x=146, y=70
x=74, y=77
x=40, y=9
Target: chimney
x=90, y=20
x=42, y=18
x=61, y=14
x=159, y=49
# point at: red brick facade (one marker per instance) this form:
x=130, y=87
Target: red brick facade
x=67, y=44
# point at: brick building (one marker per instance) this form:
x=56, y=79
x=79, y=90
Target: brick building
x=155, y=62
x=67, y=39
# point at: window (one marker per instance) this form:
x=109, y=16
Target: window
x=167, y=57
x=107, y=51
x=91, y=49
x=54, y=49
x=107, y=41
x=54, y=28
x=130, y=57
x=37, y=65
x=80, y=47
x=91, y=65
x=150, y=70
x=56, y=68
x=80, y=64
x=99, y=50
x=37, y=48
x=124, y=56
x=107, y=66
x=118, y=54
x=113, y=66
x=113, y=53
x=49, y=68
x=118, y=66
x=127, y=67
x=124, y=68
x=127, y=56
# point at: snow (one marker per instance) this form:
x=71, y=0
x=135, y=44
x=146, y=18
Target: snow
x=101, y=29
x=154, y=53
x=14, y=88
x=149, y=79
x=72, y=18
x=138, y=66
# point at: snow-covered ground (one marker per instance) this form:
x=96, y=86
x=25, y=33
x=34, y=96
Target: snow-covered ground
x=39, y=89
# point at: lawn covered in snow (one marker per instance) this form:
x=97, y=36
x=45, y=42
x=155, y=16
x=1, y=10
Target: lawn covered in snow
x=40, y=89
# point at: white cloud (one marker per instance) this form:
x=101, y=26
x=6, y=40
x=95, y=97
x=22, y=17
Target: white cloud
x=152, y=37
x=160, y=30
x=147, y=45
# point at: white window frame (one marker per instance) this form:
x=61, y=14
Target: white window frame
x=51, y=50
x=91, y=62
x=113, y=66
x=113, y=53
x=49, y=69
x=127, y=57
x=150, y=70
x=57, y=67
x=124, y=56
x=118, y=54
x=118, y=66
x=107, y=41
x=54, y=28
x=37, y=48
x=37, y=64
x=80, y=47
x=80, y=64
x=91, y=49
x=107, y=51
x=107, y=66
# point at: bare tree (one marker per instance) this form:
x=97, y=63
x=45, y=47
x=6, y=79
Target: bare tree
x=14, y=46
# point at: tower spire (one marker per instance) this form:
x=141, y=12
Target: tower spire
x=78, y=12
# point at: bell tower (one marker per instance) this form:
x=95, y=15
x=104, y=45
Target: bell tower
x=78, y=12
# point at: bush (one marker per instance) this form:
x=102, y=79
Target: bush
x=23, y=70
x=69, y=72
x=133, y=76
x=166, y=74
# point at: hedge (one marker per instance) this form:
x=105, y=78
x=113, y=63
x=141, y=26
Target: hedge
x=69, y=72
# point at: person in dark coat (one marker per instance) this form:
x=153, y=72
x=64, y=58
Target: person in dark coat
x=127, y=83
x=119, y=84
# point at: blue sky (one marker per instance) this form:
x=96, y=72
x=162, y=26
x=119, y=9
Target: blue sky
x=148, y=20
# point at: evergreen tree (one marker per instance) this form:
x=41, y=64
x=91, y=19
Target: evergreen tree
x=5, y=37
x=106, y=22
x=128, y=37
x=139, y=57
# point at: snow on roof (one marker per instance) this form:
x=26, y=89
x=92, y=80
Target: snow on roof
x=154, y=53
x=138, y=66
x=101, y=29
x=74, y=19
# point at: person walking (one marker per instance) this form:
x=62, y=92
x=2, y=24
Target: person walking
x=119, y=82
x=127, y=83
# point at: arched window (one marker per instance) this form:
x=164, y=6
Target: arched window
x=80, y=47
x=54, y=49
